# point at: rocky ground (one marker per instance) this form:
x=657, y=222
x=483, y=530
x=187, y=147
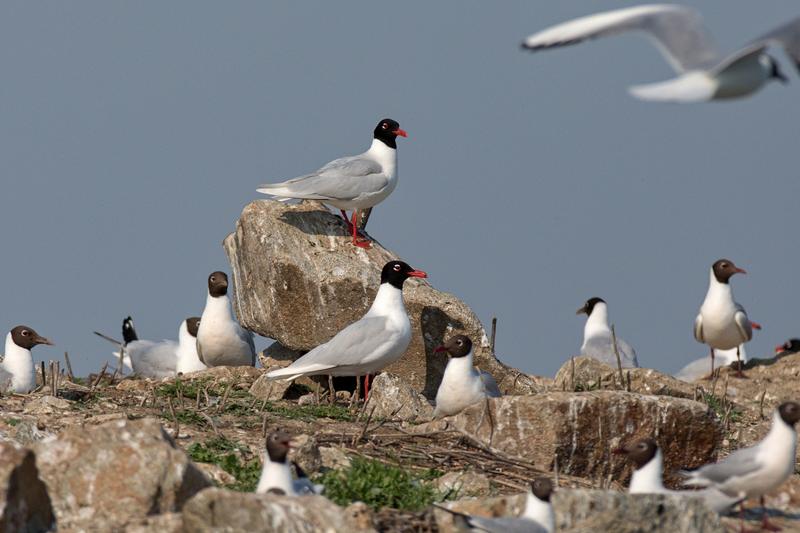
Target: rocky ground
x=112, y=454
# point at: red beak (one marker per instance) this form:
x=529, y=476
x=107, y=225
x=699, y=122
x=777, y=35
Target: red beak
x=417, y=274
x=401, y=133
x=741, y=271
x=440, y=349
x=779, y=348
x=618, y=451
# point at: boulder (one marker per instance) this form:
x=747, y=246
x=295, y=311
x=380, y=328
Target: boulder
x=592, y=511
x=392, y=397
x=581, y=429
x=586, y=373
x=24, y=503
x=464, y=484
x=269, y=389
x=298, y=280
x=109, y=475
x=223, y=510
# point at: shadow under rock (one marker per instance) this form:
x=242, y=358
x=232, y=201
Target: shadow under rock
x=434, y=323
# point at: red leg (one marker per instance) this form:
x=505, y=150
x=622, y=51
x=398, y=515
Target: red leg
x=356, y=241
x=346, y=220
x=711, y=375
x=366, y=387
x=739, y=373
x=766, y=525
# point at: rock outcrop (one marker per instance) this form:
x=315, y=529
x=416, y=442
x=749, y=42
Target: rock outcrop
x=105, y=476
x=24, y=503
x=299, y=280
x=223, y=510
x=392, y=397
x=581, y=429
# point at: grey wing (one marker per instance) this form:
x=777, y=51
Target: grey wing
x=698, y=329
x=247, y=336
x=505, y=525
x=600, y=348
x=342, y=179
x=490, y=385
x=627, y=354
x=349, y=347
x=743, y=323
x=678, y=32
x=694, y=370
x=304, y=485
x=739, y=463
x=787, y=36
x=158, y=360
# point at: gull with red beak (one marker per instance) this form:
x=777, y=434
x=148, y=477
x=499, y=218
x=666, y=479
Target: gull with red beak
x=722, y=323
x=355, y=183
x=371, y=343
x=276, y=475
x=17, y=372
x=462, y=385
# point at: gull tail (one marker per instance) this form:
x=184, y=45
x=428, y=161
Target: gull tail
x=692, y=87
x=291, y=372
x=693, y=479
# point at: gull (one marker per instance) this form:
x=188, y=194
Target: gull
x=276, y=475
x=538, y=516
x=355, y=183
x=221, y=341
x=647, y=477
x=597, y=338
x=462, y=385
x=678, y=32
x=722, y=322
x=754, y=471
x=697, y=368
x=371, y=343
x=17, y=373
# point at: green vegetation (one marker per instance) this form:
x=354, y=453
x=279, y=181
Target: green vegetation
x=230, y=456
x=721, y=407
x=380, y=485
x=310, y=412
x=12, y=421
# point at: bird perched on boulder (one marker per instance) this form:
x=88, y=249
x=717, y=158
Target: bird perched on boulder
x=597, y=338
x=462, y=385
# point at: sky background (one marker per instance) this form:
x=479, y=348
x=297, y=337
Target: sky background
x=132, y=134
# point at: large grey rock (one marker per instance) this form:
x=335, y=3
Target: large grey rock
x=110, y=475
x=218, y=510
x=586, y=373
x=392, y=397
x=595, y=511
x=581, y=429
x=299, y=280
x=24, y=503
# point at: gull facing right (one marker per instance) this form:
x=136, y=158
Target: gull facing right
x=678, y=32
x=722, y=322
x=17, y=371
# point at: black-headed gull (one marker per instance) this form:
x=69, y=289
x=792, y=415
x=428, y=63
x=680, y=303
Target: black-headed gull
x=276, y=475
x=703, y=74
x=754, y=471
x=17, y=371
x=697, y=368
x=647, y=478
x=462, y=385
x=354, y=183
x=597, y=338
x=538, y=516
x=722, y=323
x=789, y=347
x=371, y=343
x=221, y=341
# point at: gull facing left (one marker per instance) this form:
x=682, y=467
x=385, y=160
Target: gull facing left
x=462, y=385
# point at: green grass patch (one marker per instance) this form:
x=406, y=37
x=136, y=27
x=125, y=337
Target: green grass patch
x=720, y=407
x=186, y=389
x=310, y=412
x=230, y=456
x=380, y=485
x=12, y=421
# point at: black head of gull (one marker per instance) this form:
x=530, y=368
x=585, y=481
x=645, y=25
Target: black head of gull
x=387, y=131
x=542, y=488
x=589, y=306
x=128, y=331
x=26, y=337
x=790, y=346
x=640, y=452
x=278, y=445
x=724, y=269
x=458, y=346
x=396, y=273
x=192, y=325
x=789, y=412
x=218, y=284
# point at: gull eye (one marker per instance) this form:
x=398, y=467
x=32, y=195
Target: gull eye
x=25, y=333
x=397, y=268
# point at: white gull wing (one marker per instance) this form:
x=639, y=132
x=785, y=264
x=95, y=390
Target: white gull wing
x=600, y=347
x=677, y=31
x=739, y=463
x=353, y=347
x=743, y=323
x=695, y=86
x=153, y=359
x=341, y=179
x=505, y=525
x=698, y=329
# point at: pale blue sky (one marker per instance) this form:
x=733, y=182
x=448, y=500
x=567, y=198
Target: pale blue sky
x=133, y=133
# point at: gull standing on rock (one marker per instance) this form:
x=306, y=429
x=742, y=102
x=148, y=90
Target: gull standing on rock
x=538, y=516
x=221, y=341
x=17, y=373
x=754, y=471
x=647, y=477
x=723, y=323
x=462, y=385
x=276, y=476
x=679, y=34
x=697, y=368
x=371, y=343
x=354, y=183
x=597, y=338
